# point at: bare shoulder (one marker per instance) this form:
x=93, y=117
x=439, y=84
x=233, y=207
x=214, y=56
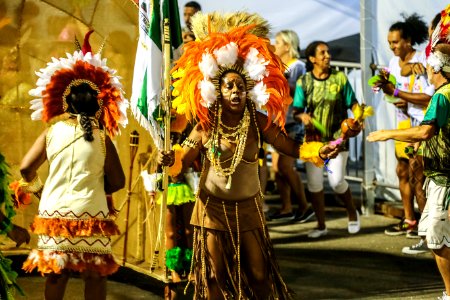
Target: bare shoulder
x=198, y=134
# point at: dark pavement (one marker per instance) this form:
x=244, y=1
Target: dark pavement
x=368, y=265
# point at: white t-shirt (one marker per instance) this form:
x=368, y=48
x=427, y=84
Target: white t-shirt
x=420, y=83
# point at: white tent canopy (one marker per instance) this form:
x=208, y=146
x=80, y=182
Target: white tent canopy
x=311, y=19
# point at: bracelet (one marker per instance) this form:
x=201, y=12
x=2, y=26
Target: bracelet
x=324, y=159
x=6, y=226
x=190, y=143
x=35, y=185
x=396, y=91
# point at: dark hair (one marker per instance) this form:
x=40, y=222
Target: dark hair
x=311, y=51
x=82, y=100
x=194, y=5
x=435, y=20
x=413, y=28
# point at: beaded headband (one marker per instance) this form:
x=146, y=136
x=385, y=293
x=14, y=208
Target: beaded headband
x=78, y=82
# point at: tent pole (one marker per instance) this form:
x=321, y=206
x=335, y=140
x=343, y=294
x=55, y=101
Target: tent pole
x=367, y=7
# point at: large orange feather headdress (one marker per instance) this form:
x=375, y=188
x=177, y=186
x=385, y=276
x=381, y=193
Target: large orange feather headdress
x=56, y=79
x=236, y=42
x=441, y=33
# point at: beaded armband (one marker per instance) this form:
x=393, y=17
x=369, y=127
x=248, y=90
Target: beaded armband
x=190, y=143
x=33, y=186
x=6, y=226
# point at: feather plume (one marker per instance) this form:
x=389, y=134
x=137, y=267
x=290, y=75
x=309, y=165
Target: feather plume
x=204, y=24
x=442, y=31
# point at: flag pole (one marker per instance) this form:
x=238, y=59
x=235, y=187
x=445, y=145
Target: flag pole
x=166, y=106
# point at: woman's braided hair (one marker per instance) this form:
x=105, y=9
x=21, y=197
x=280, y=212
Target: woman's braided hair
x=82, y=100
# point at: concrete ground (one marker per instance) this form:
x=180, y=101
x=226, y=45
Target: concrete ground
x=368, y=265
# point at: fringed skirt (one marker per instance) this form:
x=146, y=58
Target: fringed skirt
x=233, y=256
x=75, y=244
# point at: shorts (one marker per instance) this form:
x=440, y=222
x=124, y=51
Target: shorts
x=434, y=223
x=295, y=131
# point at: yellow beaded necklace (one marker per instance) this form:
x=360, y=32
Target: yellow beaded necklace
x=237, y=134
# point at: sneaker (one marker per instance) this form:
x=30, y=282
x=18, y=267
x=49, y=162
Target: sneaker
x=412, y=234
x=420, y=247
x=316, y=233
x=401, y=228
x=354, y=226
x=444, y=296
x=304, y=217
x=277, y=216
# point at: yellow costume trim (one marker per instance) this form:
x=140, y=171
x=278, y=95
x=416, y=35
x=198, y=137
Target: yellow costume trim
x=309, y=152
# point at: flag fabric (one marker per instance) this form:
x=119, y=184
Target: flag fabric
x=148, y=68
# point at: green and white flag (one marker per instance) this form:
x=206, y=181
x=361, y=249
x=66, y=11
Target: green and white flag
x=148, y=68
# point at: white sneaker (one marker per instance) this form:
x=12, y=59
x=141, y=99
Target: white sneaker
x=354, y=226
x=444, y=296
x=420, y=247
x=316, y=233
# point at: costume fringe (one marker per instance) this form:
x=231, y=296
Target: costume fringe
x=74, y=227
x=149, y=124
x=228, y=282
x=50, y=261
x=178, y=194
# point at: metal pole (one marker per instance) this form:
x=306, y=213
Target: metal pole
x=366, y=37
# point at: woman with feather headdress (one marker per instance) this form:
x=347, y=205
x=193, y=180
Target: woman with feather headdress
x=222, y=78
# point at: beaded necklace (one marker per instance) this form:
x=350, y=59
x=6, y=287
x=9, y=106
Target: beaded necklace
x=235, y=134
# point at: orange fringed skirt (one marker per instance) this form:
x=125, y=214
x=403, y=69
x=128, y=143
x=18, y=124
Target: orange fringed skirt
x=76, y=244
x=233, y=251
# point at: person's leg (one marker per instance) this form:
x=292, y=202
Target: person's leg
x=255, y=265
x=94, y=285
x=218, y=272
x=285, y=193
x=416, y=180
x=171, y=230
x=339, y=185
x=290, y=175
x=171, y=235
x=436, y=225
x=315, y=186
x=55, y=286
x=188, y=228
x=405, y=189
x=442, y=257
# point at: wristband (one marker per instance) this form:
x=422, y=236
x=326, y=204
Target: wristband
x=35, y=185
x=324, y=159
x=396, y=91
